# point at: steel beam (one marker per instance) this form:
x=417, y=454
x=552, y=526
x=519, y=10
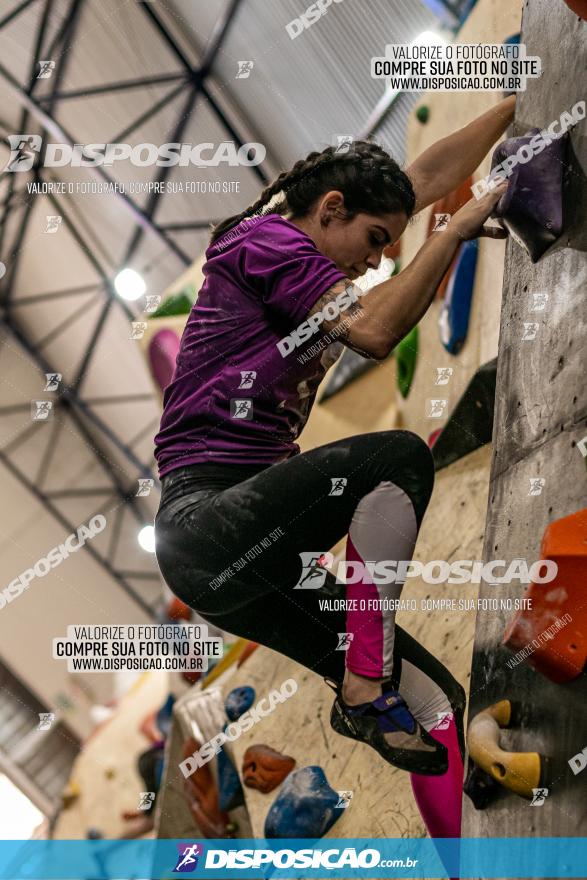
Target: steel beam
x=75, y=406
x=162, y=174
x=63, y=521
x=56, y=130
x=115, y=87
x=16, y=11
x=218, y=35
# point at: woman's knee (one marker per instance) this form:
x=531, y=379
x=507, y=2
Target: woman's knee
x=407, y=462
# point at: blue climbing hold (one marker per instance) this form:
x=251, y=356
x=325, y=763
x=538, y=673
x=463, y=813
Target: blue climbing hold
x=305, y=807
x=238, y=701
x=164, y=716
x=230, y=791
x=453, y=321
x=94, y=834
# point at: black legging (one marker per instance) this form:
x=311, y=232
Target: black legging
x=204, y=535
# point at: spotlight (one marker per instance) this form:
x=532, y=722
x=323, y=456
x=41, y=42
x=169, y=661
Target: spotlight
x=146, y=538
x=429, y=38
x=129, y=284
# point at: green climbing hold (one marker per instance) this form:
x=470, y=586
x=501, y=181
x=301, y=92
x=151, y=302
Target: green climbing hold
x=423, y=114
x=179, y=303
x=406, y=355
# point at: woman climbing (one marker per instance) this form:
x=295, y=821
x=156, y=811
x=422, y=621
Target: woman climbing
x=245, y=517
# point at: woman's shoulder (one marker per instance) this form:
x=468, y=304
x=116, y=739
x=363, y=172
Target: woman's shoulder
x=262, y=232
x=274, y=229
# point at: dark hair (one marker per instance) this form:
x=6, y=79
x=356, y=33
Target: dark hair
x=369, y=179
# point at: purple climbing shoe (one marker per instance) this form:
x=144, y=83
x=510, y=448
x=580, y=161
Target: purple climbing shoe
x=388, y=714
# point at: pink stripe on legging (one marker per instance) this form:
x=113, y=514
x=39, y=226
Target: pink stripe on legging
x=439, y=798
x=365, y=654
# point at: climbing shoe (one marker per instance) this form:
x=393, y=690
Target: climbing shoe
x=387, y=725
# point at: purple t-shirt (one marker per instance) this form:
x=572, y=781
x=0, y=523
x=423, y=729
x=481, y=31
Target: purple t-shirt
x=234, y=397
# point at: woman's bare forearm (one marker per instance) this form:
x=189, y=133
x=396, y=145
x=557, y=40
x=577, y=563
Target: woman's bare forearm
x=373, y=322
x=390, y=309
x=443, y=166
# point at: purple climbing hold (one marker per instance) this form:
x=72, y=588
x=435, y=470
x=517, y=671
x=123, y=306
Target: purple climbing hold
x=532, y=208
x=306, y=806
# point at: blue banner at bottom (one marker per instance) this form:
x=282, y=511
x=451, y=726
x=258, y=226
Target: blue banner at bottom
x=516, y=857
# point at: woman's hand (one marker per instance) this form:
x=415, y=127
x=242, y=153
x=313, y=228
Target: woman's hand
x=468, y=220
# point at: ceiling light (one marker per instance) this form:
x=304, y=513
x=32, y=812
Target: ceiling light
x=129, y=284
x=146, y=538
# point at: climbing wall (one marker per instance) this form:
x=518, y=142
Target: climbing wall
x=540, y=416
x=490, y=21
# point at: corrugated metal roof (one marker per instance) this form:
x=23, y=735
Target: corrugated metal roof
x=301, y=93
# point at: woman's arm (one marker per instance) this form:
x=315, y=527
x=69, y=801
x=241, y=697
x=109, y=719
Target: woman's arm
x=443, y=166
x=379, y=319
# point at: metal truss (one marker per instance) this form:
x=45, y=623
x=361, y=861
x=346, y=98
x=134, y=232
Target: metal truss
x=192, y=80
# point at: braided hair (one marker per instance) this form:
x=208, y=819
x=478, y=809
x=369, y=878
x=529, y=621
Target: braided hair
x=369, y=179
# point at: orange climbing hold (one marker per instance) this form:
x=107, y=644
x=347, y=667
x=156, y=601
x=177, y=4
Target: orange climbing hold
x=560, y=648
